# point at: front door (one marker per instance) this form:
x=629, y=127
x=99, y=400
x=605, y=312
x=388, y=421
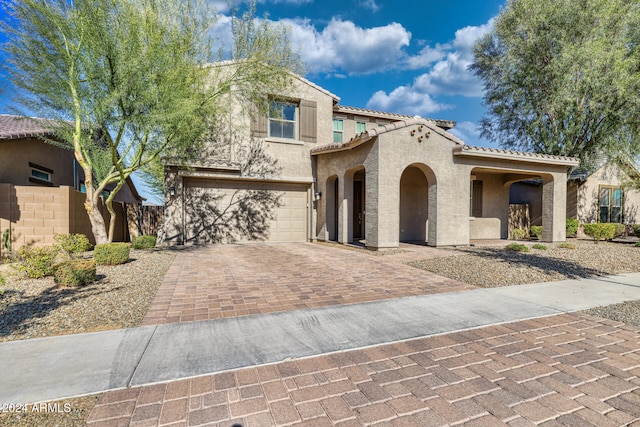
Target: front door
x=358, y=210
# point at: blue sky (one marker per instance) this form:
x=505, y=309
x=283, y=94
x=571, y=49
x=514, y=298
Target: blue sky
x=392, y=55
x=387, y=55
x=403, y=57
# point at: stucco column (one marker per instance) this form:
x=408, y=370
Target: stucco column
x=554, y=207
x=172, y=231
x=345, y=203
x=383, y=210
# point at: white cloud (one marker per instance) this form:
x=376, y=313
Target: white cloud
x=370, y=5
x=405, y=100
x=447, y=73
x=451, y=75
x=343, y=46
x=466, y=131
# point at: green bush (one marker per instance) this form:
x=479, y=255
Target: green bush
x=572, y=227
x=517, y=247
x=600, y=231
x=518, y=234
x=567, y=246
x=75, y=272
x=143, y=242
x=636, y=230
x=536, y=231
x=36, y=262
x=621, y=230
x=111, y=253
x=539, y=246
x=72, y=243
x=637, y=245
x=3, y=281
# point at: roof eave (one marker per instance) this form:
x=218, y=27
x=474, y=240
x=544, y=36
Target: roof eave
x=471, y=151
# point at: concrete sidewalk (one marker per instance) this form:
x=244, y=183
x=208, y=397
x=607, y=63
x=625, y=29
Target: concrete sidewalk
x=60, y=367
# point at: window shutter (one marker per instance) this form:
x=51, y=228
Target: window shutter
x=308, y=121
x=259, y=123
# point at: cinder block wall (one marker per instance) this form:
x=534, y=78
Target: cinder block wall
x=35, y=214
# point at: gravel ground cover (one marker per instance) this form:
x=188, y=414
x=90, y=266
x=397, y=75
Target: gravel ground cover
x=490, y=267
x=32, y=308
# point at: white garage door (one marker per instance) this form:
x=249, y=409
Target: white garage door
x=289, y=223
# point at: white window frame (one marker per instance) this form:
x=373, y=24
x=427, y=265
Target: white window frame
x=282, y=121
x=40, y=173
x=338, y=134
x=363, y=123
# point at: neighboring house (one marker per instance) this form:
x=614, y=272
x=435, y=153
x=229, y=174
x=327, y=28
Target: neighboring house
x=40, y=187
x=346, y=174
x=602, y=196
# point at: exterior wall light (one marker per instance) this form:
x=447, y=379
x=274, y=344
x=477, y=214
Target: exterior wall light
x=172, y=191
x=318, y=195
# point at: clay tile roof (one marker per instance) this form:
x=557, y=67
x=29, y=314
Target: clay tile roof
x=516, y=155
x=14, y=127
x=445, y=124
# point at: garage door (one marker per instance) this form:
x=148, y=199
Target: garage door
x=289, y=220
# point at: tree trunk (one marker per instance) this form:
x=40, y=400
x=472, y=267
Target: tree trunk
x=112, y=219
x=98, y=227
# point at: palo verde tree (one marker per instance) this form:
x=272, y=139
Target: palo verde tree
x=127, y=81
x=563, y=77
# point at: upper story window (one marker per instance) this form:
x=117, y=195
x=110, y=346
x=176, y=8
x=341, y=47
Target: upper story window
x=338, y=130
x=283, y=120
x=610, y=204
x=40, y=174
x=361, y=127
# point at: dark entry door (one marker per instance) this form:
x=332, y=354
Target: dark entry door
x=358, y=210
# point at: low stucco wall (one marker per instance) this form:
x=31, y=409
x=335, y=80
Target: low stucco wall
x=484, y=228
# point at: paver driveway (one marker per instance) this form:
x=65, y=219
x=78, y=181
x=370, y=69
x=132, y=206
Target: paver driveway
x=235, y=280
x=568, y=369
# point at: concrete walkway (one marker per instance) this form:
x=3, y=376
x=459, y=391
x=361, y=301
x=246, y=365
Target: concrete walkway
x=66, y=366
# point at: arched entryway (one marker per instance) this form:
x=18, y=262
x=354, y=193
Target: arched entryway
x=414, y=205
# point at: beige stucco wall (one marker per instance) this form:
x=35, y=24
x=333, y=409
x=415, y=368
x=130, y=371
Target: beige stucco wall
x=293, y=155
x=15, y=156
x=587, y=208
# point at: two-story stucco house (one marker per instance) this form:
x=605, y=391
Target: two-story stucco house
x=349, y=174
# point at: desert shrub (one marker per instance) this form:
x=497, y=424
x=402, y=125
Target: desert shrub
x=6, y=241
x=637, y=245
x=36, y=262
x=600, y=231
x=572, y=227
x=567, y=246
x=75, y=272
x=72, y=243
x=111, y=253
x=143, y=242
x=517, y=247
x=621, y=230
x=539, y=246
x=636, y=230
x=518, y=234
x=536, y=231
x=3, y=281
